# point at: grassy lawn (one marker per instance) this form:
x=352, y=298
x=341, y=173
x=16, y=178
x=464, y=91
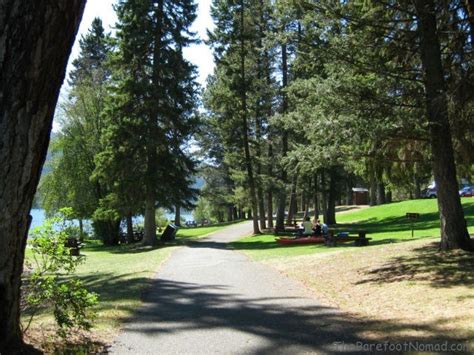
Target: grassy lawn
x=384, y=224
x=198, y=232
x=119, y=275
x=398, y=282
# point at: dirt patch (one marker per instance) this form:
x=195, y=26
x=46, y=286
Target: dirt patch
x=46, y=339
x=428, y=292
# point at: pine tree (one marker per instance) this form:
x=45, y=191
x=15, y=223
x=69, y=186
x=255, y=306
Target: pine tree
x=155, y=98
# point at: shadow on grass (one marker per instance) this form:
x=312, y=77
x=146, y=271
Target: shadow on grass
x=427, y=264
x=283, y=324
x=128, y=248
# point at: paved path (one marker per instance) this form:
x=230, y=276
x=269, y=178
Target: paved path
x=208, y=299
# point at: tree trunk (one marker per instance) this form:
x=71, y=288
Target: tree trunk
x=349, y=197
x=316, y=200
x=417, y=187
x=177, y=216
x=35, y=42
x=454, y=232
x=129, y=218
x=149, y=237
x=380, y=186
x=324, y=195
x=292, y=203
x=372, y=186
x=330, y=215
x=270, y=193
x=81, y=230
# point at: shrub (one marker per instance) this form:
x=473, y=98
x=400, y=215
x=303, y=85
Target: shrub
x=51, y=282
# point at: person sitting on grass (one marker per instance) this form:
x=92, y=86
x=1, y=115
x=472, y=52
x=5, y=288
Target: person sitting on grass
x=317, y=227
x=325, y=229
x=307, y=227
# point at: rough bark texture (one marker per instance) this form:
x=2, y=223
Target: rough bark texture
x=453, y=225
x=35, y=42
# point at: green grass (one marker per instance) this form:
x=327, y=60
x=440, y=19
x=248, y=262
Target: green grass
x=198, y=232
x=120, y=275
x=384, y=224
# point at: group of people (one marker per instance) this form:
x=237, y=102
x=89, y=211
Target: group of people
x=315, y=228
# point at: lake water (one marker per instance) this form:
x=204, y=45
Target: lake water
x=39, y=217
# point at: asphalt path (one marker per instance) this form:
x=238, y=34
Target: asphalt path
x=209, y=299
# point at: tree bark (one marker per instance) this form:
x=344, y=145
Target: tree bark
x=380, y=186
x=324, y=194
x=454, y=232
x=129, y=227
x=35, y=42
x=349, y=197
x=330, y=215
x=316, y=200
x=292, y=203
x=270, y=192
x=177, y=216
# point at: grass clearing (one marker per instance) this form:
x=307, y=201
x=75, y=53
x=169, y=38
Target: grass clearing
x=426, y=292
x=404, y=285
x=120, y=275
x=385, y=224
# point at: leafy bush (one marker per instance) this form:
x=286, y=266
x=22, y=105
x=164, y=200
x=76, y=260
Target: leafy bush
x=51, y=284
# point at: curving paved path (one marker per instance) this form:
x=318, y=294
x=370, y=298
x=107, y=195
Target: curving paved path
x=208, y=299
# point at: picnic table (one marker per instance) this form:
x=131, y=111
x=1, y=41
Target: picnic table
x=359, y=240
x=74, y=245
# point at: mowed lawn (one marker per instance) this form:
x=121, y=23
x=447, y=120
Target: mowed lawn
x=120, y=276
x=384, y=224
x=404, y=287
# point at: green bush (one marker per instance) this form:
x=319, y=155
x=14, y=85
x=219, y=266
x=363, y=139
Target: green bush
x=50, y=284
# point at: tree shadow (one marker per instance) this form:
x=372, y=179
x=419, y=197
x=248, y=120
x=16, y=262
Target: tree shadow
x=427, y=263
x=134, y=248
x=176, y=308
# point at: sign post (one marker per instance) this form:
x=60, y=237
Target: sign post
x=412, y=217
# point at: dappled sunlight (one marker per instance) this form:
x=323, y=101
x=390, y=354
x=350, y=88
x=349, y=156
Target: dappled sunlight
x=173, y=307
x=439, y=269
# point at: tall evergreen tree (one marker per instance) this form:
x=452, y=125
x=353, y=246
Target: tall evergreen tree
x=156, y=96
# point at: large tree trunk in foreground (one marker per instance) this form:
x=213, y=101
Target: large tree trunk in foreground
x=35, y=42
x=453, y=225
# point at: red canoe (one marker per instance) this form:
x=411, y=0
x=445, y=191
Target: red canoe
x=307, y=240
